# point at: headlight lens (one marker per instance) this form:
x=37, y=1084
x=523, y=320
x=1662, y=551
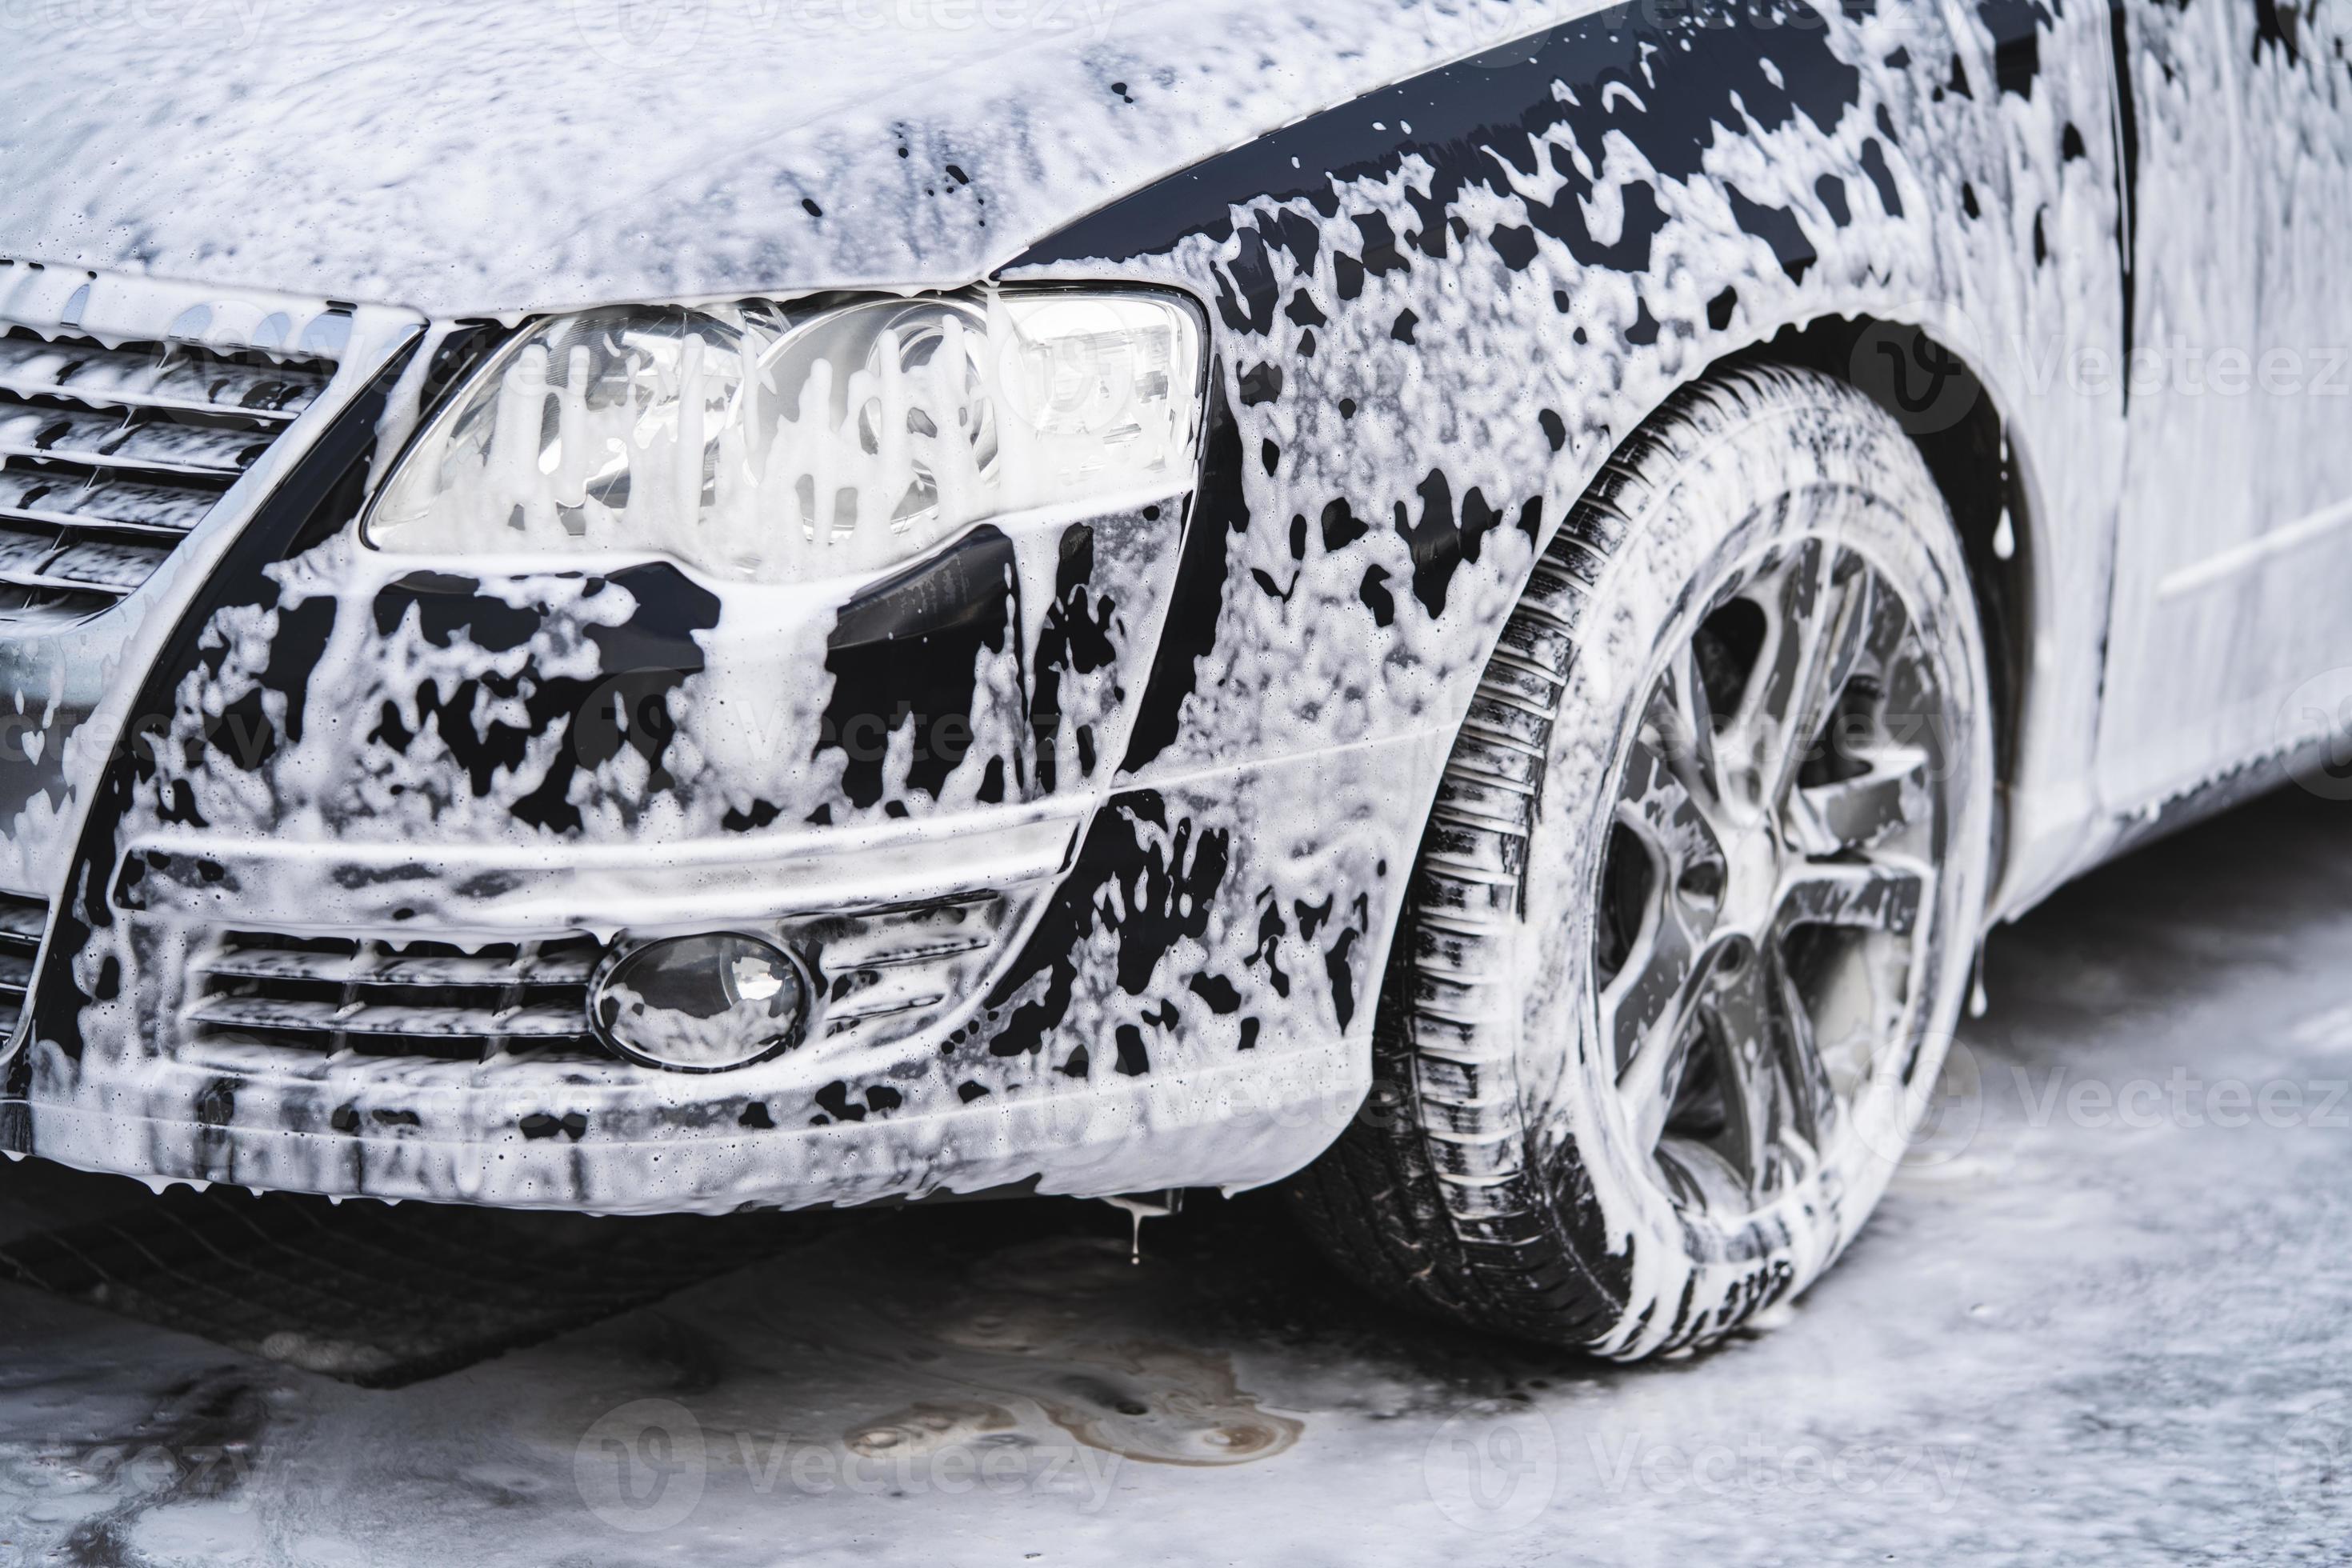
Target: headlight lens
x=766, y=443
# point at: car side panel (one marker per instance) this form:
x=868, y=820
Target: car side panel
x=2231, y=643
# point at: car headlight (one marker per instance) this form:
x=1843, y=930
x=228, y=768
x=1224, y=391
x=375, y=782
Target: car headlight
x=776, y=443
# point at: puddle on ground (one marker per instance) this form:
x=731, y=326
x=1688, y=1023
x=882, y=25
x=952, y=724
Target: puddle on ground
x=1051, y=1323
x=883, y=1351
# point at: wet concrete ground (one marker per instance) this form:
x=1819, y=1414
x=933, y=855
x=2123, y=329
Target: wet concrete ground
x=2103, y=1316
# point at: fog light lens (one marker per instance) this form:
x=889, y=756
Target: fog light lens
x=700, y=1004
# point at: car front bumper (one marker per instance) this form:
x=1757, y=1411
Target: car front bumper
x=859, y=1113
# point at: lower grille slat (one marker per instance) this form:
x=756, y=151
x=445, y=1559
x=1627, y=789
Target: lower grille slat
x=377, y=968
x=298, y=1016
x=22, y=920
x=328, y=995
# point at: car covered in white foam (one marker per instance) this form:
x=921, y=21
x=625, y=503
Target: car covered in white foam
x=1469, y=605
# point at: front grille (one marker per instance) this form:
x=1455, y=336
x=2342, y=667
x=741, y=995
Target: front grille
x=108, y=456
x=332, y=996
x=21, y=920
x=882, y=973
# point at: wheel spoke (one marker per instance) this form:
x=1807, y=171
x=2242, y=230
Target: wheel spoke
x=1854, y=814
x=1885, y=629
x=1655, y=801
x=1813, y=1100
x=1819, y=628
x=1652, y=1080
x=1778, y=688
x=1644, y=1008
x=1866, y=894
x=1850, y=639
x=1685, y=721
x=1739, y=1019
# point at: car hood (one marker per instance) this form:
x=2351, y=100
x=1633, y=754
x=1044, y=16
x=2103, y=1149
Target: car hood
x=461, y=158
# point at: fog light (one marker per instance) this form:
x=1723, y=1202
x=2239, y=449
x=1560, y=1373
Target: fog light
x=699, y=1003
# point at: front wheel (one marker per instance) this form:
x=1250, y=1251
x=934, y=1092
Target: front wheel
x=1691, y=918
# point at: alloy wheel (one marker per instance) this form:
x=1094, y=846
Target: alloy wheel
x=1775, y=838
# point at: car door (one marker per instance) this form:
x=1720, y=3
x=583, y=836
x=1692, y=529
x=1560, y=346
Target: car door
x=2233, y=583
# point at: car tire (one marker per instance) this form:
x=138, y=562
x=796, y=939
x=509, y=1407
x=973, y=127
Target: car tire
x=1694, y=912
